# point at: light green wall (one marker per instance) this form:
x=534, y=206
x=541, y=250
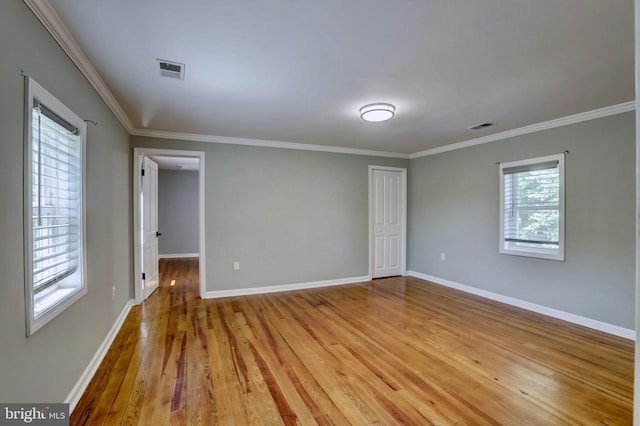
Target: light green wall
x=454, y=208
x=178, y=212
x=45, y=366
x=287, y=216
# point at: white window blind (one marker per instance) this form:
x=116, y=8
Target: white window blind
x=55, y=197
x=532, y=208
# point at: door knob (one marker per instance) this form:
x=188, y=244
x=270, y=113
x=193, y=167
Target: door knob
x=158, y=234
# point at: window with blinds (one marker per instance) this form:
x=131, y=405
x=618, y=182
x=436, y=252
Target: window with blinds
x=532, y=207
x=54, y=185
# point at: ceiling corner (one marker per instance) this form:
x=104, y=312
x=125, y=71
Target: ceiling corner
x=43, y=10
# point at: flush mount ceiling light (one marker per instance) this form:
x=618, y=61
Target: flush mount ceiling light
x=377, y=112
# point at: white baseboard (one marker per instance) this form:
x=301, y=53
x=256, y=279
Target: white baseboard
x=551, y=312
x=81, y=385
x=178, y=255
x=285, y=287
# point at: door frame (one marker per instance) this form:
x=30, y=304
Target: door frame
x=138, y=155
x=403, y=216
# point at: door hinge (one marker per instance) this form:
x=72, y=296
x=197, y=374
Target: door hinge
x=143, y=276
x=142, y=172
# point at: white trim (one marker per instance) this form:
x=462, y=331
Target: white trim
x=285, y=287
x=559, y=122
x=138, y=154
x=263, y=143
x=403, y=249
x=178, y=255
x=544, y=310
x=52, y=22
x=86, y=376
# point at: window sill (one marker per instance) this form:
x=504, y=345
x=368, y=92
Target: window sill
x=49, y=299
x=539, y=254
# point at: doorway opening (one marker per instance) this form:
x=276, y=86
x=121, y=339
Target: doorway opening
x=145, y=205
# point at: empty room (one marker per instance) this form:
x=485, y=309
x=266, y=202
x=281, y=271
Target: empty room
x=220, y=212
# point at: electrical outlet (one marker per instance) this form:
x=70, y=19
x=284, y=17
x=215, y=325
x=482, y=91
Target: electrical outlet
x=113, y=293
x=443, y=256
x=236, y=266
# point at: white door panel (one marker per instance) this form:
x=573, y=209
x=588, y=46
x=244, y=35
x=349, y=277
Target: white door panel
x=379, y=253
x=394, y=200
x=379, y=195
x=394, y=252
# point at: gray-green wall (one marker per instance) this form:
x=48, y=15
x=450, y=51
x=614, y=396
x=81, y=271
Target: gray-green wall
x=454, y=208
x=178, y=212
x=46, y=366
x=287, y=216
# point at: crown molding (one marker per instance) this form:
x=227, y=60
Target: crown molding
x=43, y=10
x=263, y=143
x=559, y=122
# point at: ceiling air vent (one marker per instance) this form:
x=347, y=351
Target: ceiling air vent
x=481, y=126
x=171, y=69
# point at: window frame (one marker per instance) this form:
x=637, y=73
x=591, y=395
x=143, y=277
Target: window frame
x=47, y=304
x=536, y=252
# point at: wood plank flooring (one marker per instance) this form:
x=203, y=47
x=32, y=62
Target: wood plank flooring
x=390, y=351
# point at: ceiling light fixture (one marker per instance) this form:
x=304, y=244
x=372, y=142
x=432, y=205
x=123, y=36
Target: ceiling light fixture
x=377, y=112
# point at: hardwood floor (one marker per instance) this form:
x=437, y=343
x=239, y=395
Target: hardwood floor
x=390, y=351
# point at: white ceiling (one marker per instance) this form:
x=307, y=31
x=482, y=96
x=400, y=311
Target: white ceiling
x=298, y=71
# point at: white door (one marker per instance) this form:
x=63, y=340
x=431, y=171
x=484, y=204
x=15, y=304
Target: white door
x=149, y=222
x=387, y=222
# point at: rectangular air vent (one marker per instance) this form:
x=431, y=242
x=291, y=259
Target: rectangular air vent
x=481, y=126
x=170, y=69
